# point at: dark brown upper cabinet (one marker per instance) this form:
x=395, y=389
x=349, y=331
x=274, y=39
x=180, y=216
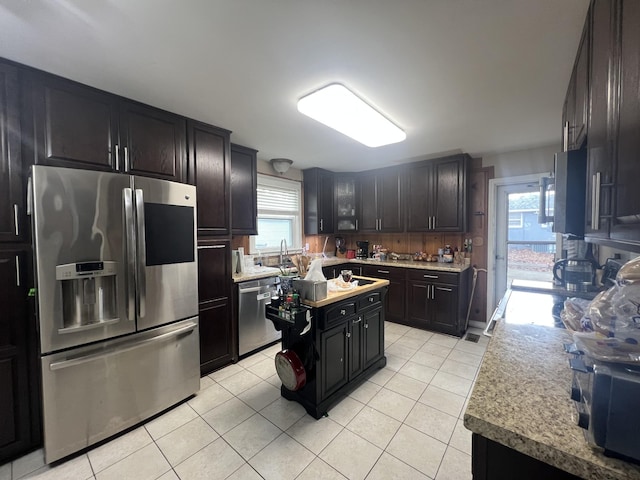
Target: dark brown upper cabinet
x=437, y=195
x=12, y=224
x=210, y=172
x=381, y=201
x=600, y=153
x=346, y=189
x=626, y=222
x=244, y=190
x=74, y=125
x=318, y=201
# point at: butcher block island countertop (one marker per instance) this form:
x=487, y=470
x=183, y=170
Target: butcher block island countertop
x=333, y=297
x=521, y=400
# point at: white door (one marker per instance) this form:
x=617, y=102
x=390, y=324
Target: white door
x=524, y=249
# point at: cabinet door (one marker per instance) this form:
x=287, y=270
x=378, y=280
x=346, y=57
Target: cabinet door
x=368, y=209
x=326, y=202
x=154, y=141
x=449, y=195
x=11, y=204
x=333, y=354
x=373, y=336
x=419, y=198
x=600, y=155
x=346, y=204
x=389, y=202
x=210, y=171
x=15, y=412
x=443, y=309
x=394, y=304
x=318, y=201
x=417, y=298
x=581, y=90
x=356, y=346
x=216, y=336
x=218, y=333
x=244, y=191
x=626, y=226
x=74, y=125
x=214, y=272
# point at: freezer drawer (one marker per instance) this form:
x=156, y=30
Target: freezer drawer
x=93, y=392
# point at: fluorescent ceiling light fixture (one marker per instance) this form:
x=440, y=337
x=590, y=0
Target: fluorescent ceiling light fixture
x=339, y=108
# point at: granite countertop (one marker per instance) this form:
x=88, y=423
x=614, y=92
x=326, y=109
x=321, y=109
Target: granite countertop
x=521, y=400
x=264, y=272
x=333, y=297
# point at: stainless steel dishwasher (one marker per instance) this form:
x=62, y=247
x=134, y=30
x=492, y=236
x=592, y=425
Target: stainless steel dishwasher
x=254, y=330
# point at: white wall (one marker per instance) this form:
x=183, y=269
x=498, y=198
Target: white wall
x=522, y=162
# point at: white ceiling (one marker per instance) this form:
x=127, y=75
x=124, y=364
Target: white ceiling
x=478, y=76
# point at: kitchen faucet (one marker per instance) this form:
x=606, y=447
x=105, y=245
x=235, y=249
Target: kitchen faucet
x=285, y=251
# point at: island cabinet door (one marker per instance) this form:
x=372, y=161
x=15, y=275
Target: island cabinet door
x=373, y=336
x=334, y=361
x=356, y=346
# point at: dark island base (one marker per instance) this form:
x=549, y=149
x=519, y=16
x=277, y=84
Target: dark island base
x=319, y=410
x=493, y=461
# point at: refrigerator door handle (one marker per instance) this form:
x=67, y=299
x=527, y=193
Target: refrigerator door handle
x=130, y=258
x=117, y=350
x=141, y=255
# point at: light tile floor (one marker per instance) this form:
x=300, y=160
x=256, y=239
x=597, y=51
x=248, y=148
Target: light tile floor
x=405, y=422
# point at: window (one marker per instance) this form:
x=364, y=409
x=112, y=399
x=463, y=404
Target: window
x=279, y=215
x=515, y=220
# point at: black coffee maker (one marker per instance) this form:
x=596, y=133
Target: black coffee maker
x=363, y=250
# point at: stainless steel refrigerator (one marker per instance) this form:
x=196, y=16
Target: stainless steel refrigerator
x=117, y=291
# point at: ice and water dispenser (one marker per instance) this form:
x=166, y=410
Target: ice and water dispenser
x=88, y=294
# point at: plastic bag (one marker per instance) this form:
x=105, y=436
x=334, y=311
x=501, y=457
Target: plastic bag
x=315, y=271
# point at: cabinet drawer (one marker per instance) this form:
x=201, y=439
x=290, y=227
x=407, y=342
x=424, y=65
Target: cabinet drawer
x=369, y=300
x=433, y=276
x=382, y=271
x=339, y=312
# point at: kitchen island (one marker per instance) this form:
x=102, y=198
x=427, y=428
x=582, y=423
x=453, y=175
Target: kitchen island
x=340, y=344
x=521, y=414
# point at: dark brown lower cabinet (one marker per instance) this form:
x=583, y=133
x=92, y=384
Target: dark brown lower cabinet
x=437, y=300
x=394, y=307
x=494, y=461
x=19, y=393
x=218, y=332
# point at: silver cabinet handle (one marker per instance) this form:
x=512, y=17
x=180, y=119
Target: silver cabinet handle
x=445, y=289
x=16, y=219
x=343, y=312
x=348, y=334
x=434, y=222
x=130, y=235
x=203, y=247
x=141, y=253
x=321, y=225
x=430, y=276
x=371, y=299
x=383, y=271
x=17, y=271
x=596, y=207
x=126, y=159
x=117, y=157
x=356, y=224
x=357, y=321
x=430, y=225
x=366, y=325
x=117, y=350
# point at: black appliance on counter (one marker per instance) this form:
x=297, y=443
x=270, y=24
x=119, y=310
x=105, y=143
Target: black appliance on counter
x=363, y=250
x=606, y=400
x=576, y=274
